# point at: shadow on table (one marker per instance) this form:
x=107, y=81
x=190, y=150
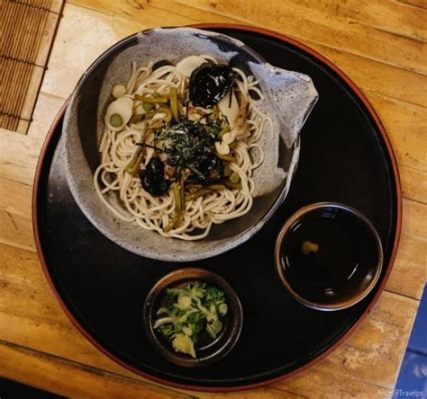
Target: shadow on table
x=14, y=390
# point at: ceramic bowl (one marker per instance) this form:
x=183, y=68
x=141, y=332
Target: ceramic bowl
x=329, y=256
x=209, y=351
x=289, y=98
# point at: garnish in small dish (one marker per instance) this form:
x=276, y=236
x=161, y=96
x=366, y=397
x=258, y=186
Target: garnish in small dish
x=189, y=311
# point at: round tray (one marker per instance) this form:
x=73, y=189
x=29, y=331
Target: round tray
x=345, y=157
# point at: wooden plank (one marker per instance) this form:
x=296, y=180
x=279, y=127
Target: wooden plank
x=18, y=157
x=414, y=219
x=414, y=183
x=20, y=202
x=23, y=126
x=409, y=273
x=72, y=54
x=333, y=386
x=307, y=23
x=16, y=230
x=18, y=153
x=376, y=77
x=389, y=16
x=269, y=392
x=153, y=12
x=71, y=379
x=415, y=3
x=56, y=6
x=406, y=125
x=46, y=110
x=312, y=384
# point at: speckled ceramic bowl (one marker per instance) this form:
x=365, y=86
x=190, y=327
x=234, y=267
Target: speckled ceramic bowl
x=289, y=98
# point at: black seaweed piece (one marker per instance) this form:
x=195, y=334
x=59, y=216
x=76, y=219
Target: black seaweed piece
x=153, y=178
x=209, y=83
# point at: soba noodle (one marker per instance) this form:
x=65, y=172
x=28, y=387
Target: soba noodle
x=123, y=193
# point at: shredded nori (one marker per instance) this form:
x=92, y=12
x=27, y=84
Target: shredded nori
x=191, y=145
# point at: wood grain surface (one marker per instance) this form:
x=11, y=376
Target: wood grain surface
x=380, y=44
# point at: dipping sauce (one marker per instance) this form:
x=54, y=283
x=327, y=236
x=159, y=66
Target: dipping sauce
x=328, y=255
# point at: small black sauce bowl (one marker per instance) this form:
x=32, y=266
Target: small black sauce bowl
x=208, y=351
x=329, y=256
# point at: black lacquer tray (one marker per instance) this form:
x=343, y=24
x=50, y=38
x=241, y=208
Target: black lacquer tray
x=345, y=157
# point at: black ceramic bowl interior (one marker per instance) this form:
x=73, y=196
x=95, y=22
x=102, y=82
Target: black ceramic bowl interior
x=329, y=256
x=208, y=351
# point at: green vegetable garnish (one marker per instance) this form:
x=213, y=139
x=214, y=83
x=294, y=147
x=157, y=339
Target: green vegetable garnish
x=190, y=311
x=136, y=118
x=116, y=120
x=151, y=100
x=133, y=165
x=174, y=101
x=226, y=157
x=167, y=112
x=225, y=129
x=234, y=178
x=147, y=107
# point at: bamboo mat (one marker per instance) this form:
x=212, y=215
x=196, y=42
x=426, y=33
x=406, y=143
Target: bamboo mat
x=27, y=29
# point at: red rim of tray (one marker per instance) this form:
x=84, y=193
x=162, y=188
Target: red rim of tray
x=393, y=161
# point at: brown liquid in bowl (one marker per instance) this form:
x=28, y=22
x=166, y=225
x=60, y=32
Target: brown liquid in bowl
x=328, y=255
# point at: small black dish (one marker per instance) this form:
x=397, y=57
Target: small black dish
x=329, y=256
x=208, y=351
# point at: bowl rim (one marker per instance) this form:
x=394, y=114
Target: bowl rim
x=343, y=304
x=226, y=341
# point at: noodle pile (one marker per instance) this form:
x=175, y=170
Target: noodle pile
x=134, y=144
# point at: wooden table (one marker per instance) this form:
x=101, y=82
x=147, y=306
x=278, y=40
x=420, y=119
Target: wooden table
x=380, y=44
